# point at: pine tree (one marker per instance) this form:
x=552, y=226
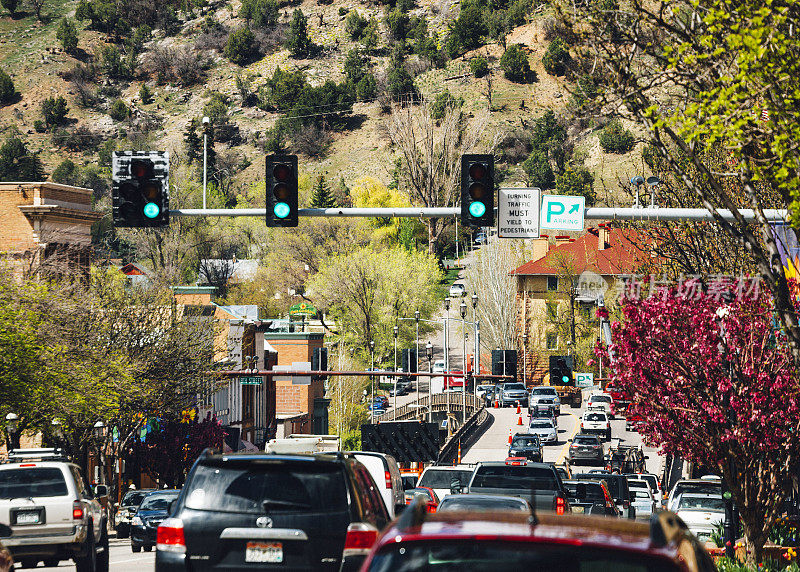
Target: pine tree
x=192, y=143
x=321, y=195
x=298, y=42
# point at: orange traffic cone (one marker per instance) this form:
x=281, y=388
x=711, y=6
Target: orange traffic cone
x=509, y=436
x=496, y=404
x=518, y=408
x=519, y=420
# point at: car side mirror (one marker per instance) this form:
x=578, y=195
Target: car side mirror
x=5, y=530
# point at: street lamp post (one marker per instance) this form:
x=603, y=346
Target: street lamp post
x=99, y=432
x=396, y=331
x=525, y=358
x=372, y=380
x=58, y=431
x=446, y=334
x=463, y=308
x=12, y=431
x=477, y=356
x=429, y=353
x=416, y=350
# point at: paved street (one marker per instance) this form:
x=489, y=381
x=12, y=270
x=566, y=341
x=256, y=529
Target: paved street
x=122, y=559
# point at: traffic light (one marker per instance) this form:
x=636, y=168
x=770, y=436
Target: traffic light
x=140, y=189
x=561, y=370
x=477, y=190
x=281, y=178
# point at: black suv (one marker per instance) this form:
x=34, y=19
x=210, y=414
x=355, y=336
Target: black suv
x=288, y=512
x=526, y=445
x=617, y=485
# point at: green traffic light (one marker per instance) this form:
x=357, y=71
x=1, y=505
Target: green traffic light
x=281, y=210
x=565, y=378
x=151, y=210
x=477, y=209
x=727, y=495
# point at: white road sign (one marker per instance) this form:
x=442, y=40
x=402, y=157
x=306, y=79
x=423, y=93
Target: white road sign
x=518, y=213
x=584, y=379
x=561, y=212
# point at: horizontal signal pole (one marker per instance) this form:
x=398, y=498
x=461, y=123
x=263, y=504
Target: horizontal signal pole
x=273, y=373
x=592, y=213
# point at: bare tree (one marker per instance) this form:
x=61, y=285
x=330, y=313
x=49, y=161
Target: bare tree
x=430, y=154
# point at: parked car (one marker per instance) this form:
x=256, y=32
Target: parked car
x=402, y=387
x=701, y=512
x=6, y=560
x=513, y=394
x=601, y=402
x=503, y=540
x=153, y=509
x=526, y=445
x=484, y=503
x=619, y=399
x=431, y=499
x=545, y=392
x=310, y=512
x=617, y=486
x=443, y=479
x=586, y=450
x=590, y=497
x=126, y=510
x=545, y=429
x=386, y=474
x=457, y=290
x=596, y=422
x=52, y=512
x=536, y=482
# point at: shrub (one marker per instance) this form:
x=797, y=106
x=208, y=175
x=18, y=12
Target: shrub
x=262, y=13
x=112, y=62
x=119, y=111
x=514, y=64
x=10, y=5
x=354, y=25
x=577, y=182
x=469, y=29
x=442, y=103
x=54, y=110
x=398, y=23
x=39, y=126
x=343, y=11
x=78, y=139
x=241, y=48
x=66, y=173
x=615, y=139
x=367, y=87
x=479, y=66
x=7, y=91
x=585, y=91
x=67, y=35
x=556, y=57
x=370, y=37
x=217, y=108
x=298, y=42
x=400, y=84
x=312, y=141
x=538, y=169
x=275, y=141
x=355, y=66
x=515, y=146
x=145, y=95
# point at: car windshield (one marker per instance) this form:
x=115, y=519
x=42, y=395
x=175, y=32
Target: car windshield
x=525, y=442
x=481, y=504
x=441, y=479
x=543, y=391
x=133, y=498
x=514, y=477
x=604, y=398
x=256, y=487
x=157, y=502
x=700, y=502
x=32, y=482
x=541, y=425
x=468, y=555
x=595, y=417
x=514, y=386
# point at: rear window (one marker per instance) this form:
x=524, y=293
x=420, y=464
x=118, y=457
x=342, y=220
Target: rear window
x=604, y=398
x=133, y=498
x=541, y=425
x=596, y=417
x=582, y=440
x=514, y=477
x=157, y=502
x=617, y=485
x=442, y=479
x=271, y=486
x=469, y=502
x=525, y=442
x=594, y=492
x=543, y=391
x=32, y=482
x=468, y=555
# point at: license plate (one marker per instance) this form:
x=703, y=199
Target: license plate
x=577, y=509
x=264, y=552
x=30, y=517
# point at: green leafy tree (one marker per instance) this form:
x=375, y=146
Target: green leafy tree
x=478, y=66
x=113, y=62
x=241, y=47
x=145, y=94
x=400, y=84
x=119, y=111
x=66, y=173
x=355, y=66
x=468, y=31
x=398, y=23
x=370, y=38
x=321, y=196
x=538, y=170
x=11, y=6
x=67, y=35
x=19, y=164
x=577, y=182
x=261, y=13
x=443, y=102
x=367, y=87
x=7, y=91
x=556, y=57
x=192, y=144
x=298, y=41
x=355, y=24
x=615, y=139
x=514, y=64
x=54, y=110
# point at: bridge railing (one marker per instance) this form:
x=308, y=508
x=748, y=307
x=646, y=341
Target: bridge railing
x=446, y=401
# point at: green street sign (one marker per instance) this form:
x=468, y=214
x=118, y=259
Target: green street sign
x=251, y=380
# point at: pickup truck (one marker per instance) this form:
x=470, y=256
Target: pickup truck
x=536, y=482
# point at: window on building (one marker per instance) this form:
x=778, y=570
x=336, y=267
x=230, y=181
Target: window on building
x=552, y=283
x=552, y=341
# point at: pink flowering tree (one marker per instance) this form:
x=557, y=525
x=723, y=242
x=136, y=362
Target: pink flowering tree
x=716, y=385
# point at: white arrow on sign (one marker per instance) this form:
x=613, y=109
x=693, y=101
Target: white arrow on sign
x=562, y=212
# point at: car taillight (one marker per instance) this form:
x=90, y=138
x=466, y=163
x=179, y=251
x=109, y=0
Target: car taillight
x=360, y=538
x=560, y=505
x=581, y=425
x=388, y=476
x=77, y=510
x=169, y=537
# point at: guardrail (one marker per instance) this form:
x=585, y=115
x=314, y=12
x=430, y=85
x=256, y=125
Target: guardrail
x=446, y=401
x=465, y=436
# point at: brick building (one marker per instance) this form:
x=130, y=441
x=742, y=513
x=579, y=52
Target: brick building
x=46, y=226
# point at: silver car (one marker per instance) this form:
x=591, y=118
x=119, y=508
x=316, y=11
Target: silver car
x=642, y=499
x=545, y=429
x=514, y=393
x=545, y=392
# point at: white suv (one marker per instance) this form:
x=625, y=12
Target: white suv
x=596, y=422
x=52, y=512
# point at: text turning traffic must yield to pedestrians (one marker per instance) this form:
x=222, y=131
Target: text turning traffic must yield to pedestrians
x=518, y=213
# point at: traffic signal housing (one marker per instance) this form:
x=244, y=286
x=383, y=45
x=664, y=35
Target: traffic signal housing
x=281, y=178
x=140, y=189
x=477, y=190
x=561, y=370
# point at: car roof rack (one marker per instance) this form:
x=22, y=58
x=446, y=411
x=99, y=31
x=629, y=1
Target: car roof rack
x=21, y=455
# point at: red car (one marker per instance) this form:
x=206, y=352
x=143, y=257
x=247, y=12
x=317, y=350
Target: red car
x=506, y=540
x=633, y=421
x=431, y=500
x=619, y=400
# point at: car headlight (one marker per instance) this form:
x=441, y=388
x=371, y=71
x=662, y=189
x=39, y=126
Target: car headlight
x=136, y=521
